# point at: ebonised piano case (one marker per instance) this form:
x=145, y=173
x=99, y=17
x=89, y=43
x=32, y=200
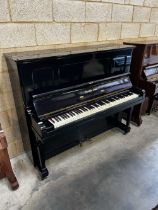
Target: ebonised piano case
x=66, y=96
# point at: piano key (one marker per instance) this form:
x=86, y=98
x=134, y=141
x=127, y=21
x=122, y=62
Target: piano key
x=56, y=119
x=76, y=111
x=70, y=113
x=67, y=115
x=103, y=102
x=60, y=118
x=52, y=120
x=73, y=113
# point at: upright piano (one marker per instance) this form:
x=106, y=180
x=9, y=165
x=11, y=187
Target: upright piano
x=70, y=95
x=144, y=72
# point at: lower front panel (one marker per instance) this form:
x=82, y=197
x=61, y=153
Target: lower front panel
x=71, y=135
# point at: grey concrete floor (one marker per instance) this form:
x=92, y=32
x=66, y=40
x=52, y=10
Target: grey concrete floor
x=111, y=172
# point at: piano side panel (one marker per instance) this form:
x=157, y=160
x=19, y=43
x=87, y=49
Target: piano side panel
x=24, y=123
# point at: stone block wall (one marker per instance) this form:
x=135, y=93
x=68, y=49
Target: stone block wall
x=41, y=24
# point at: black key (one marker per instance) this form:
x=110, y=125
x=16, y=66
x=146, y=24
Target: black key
x=121, y=96
x=103, y=102
x=96, y=105
x=107, y=101
x=70, y=113
x=89, y=107
x=81, y=110
x=56, y=118
x=76, y=111
x=63, y=116
x=66, y=116
x=52, y=120
x=100, y=103
x=92, y=106
x=112, y=99
x=84, y=109
x=73, y=113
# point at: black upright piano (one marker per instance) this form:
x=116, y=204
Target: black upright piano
x=70, y=95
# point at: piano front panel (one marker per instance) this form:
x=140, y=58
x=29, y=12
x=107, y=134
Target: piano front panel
x=55, y=73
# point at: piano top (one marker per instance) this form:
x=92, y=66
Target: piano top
x=142, y=43
x=38, y=54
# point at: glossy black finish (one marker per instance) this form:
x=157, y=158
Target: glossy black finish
x=62, y=80
x=38, y=76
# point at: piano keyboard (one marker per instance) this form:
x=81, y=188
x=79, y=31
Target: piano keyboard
x=90, y=109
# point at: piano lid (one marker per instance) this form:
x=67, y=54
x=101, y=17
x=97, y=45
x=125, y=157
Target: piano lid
x=40, y=54
x=52, y=70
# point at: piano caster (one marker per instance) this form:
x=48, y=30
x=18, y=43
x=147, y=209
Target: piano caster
x=44, y=173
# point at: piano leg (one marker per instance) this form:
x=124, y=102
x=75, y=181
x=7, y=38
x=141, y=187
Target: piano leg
x=41, y=163
x=136, y=115
x=150, y=105
x=125, y=127
x=128, y=120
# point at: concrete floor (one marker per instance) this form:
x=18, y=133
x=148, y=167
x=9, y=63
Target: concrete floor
x=111, y=172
